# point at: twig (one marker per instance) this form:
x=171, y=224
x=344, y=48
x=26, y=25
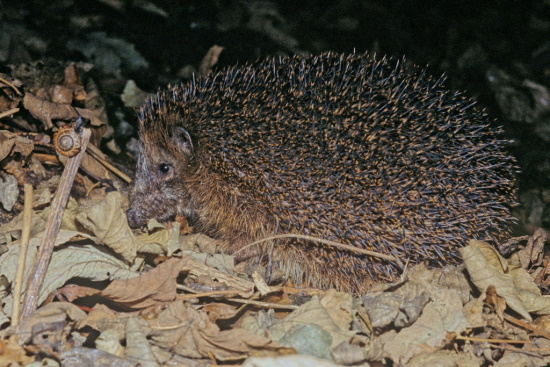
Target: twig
x=230, y=293
x=100, y=157
x=264, y=304
x=11, y=86
x=45, y=250
x=21, y=264
x=529, y=326
x=9, y=112
x=326, y=242
x=484, y=340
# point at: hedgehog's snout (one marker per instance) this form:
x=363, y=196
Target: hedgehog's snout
x=135, y=219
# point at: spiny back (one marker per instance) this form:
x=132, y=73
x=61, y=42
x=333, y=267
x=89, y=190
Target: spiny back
x=348, y=148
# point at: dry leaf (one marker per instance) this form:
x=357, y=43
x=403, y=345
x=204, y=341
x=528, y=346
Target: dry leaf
x=137, y=346
x=107, y=222
x=159, y=239
x=14, y=354
x=72, y=82
x=441, y=316
x=12, y=143
x=58, y=312
x=9, y=191
x=497, y=303
x=516, y=285
x=102, y=318
x=210, y=59
x=190, y=333
x=216, y=311
x=156, y=286
x=109, y=341
x=313, y=312
x=47, y=111
x=71, y=292
x=86, y=357
x=401, y=306
x=288, y=361
x=533, y=253
x=75, y=259
x=339, y=306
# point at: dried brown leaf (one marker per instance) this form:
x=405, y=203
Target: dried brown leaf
x=87, y=357
x=58, y=312
x=533, y=253
x=75, y=259
x=210, y=59
x=47, y=111
x=102, y=318
x=441, y=316
x=156, y=286
x=107, y=222
x=403, y=305
x=137, y=345
x=497, y=303
x=72, y=82
x=12, y=143
x=159, y=239
x=14, y=354
x=486, y=267
x=60, y=94
x=286, y=361
x=339, y=306
x=109, y=341
x=96, y=104
x=191, y=334
x=314, y=312
x=217, y=311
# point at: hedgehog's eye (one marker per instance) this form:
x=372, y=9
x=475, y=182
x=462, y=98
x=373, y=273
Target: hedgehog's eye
x=164, y=168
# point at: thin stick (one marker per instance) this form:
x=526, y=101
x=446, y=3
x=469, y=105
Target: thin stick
x=483, y=340
x=2, y=80
x=9, y=112
x=21, y=263
x=100, y=157
x=45, y=250
x=326, y=242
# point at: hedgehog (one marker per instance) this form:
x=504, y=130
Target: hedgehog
x=371, y=153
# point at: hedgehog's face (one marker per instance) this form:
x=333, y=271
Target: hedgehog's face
x=162, y=170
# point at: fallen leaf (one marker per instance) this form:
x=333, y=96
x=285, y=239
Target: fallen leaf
x=156, y=286
x=9, y=192
x=12, y=143
x=137, y=346
x=77, y=258
x=53, y=313
x=47, y=111
x=486, y=267
x=87, y=357
x=439, y=317
x=312, y=312
x=288, y=361
x=401, y=305
x=107, y=222
x=190, y=333
x=13, y=354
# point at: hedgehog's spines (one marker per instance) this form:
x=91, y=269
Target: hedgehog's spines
x=368, y=152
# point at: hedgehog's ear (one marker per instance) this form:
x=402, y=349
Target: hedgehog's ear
x=182, y=140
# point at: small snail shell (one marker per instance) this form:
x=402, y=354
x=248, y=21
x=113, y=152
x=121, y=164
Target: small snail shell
x=66, y=141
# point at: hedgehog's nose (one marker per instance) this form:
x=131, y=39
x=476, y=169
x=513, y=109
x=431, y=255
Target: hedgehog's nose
x=134, y=219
